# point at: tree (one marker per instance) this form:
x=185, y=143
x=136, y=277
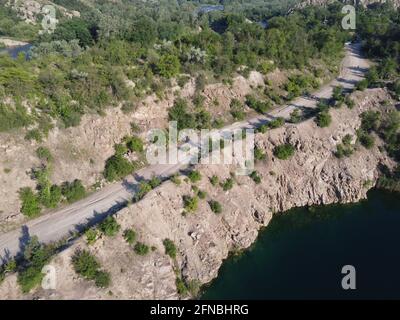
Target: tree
x=284, y=151
x=168, y=66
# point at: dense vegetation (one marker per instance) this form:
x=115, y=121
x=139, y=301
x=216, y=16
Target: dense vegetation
x=85, y=64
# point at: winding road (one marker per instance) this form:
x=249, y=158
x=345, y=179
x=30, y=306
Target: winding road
x=59, y=224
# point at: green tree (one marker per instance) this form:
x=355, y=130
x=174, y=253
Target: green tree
x=170, y=248
x=284, y=151
x=109, y=226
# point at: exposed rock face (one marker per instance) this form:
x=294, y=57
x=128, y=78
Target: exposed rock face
x=313, y=176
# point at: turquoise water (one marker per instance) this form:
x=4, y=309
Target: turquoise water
x=301, y=253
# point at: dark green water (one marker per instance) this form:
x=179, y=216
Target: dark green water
x=300, y=255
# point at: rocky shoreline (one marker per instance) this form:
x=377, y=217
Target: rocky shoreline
x=314, y=176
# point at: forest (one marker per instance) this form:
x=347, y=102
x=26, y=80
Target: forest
x=84, y=66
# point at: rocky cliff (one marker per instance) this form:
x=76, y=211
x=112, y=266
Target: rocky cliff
x=204, y=239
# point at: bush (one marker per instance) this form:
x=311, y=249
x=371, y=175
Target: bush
x=256, y=178
x=366, y=140
x=135, y=144
x=35, y=257
x=30, y=202
x=227, y=184
x=170, y=248
x=215, y=206
x=214, y=180
x=109, y=226
x=86, y=265
x=295, y=116
x=154, y=182
x=130, y=236
x=175, y=179
x=141, y=249
x=144, y=188
x=260, y=107
x=44, y=154
x=181, y=287
x=259, y=154
x=362, y=85
x=349, y=103
x=323, y=119
x=276, y=123
x=190, y=203
x=201, y=194
x=284, y=151
x=194, y=176
x=91, y=235
x=102, y=279
x=117, y=167
x=73, y=191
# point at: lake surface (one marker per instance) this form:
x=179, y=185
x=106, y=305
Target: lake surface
x=300, y=255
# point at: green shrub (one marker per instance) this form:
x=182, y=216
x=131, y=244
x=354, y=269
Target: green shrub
x=256, y=178
x=109, y=226
x=73, y=191
x=141, y=249
x=323, y=119
x=35, y=257
x=190, y=203
x=175, y=179
x=201, y=194
x=260, y=107
x=362, y=85
x=259, y=154
x=30, y=202
x=86, y=265
x=91, y=235
x=194, y=176
x=227, y=184
x=367, y=140
x=214, y=180
x=102, y=279
x=144, y=188
x=284, y=151
x=44, y=154
x=349, y=103
x=215, y=206
x=130, y=236
x=170, y=248
x=134, y=144
x=154, y=182
x=117, y=167
x=276, y=123
x=181, y=287
x=295, y=116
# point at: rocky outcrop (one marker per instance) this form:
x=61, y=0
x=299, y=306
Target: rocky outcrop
x=204, y=239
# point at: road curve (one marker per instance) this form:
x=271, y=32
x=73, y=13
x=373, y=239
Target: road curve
x=56, y=225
